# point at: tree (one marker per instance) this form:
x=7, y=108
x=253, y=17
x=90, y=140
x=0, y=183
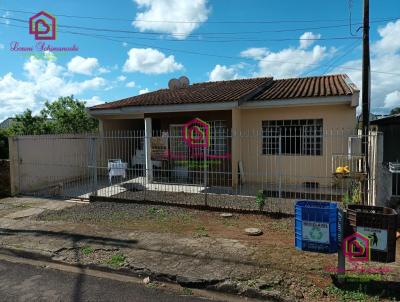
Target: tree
x=4, y=133
x=395, y=111
x=66, y=115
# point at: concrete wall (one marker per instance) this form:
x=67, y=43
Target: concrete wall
x=38, y=162
x=338, y=122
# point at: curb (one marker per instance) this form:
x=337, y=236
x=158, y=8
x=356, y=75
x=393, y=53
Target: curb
x=223, y=286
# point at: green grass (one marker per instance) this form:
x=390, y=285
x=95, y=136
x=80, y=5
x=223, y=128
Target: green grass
x=116, y=260
x=187, y=291
x=200, y=231
x=87, y=250
x=350, y=295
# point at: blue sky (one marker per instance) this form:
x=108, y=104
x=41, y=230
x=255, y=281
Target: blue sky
x=228, y=39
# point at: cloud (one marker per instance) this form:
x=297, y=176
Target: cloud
x=222, y=72
x=389, y=42
x=385, y=56
x=121, y=78
x=153, y=11
x=306, y=39
x=44, y=80
x=130, y=84
x=7, y=14
x=288, y=62
x=150, y=61
x=93, y=101
x=84, y=66
x=143, y=91
x=392, y=100
x=1, y=46
x=254, y=53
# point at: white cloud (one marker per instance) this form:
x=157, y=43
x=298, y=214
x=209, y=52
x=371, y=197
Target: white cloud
x=254, y=53
x=7, y=14
x=150, y=61
x=385, y=56
x=389, y=42
x=93, y=101
x=1, y=46
x=222, y=72
x=392, y=99
x=131, y=84
x=45, y=80
x=84, y=66
x=121, y=78
x=306, y=39
x=171, y=10
x=288, y=62
x=143, y=91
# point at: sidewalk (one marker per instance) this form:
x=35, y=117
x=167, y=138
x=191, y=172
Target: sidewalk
x=167, y=244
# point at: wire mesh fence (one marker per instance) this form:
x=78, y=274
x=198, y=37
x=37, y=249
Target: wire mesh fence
x=219, y=168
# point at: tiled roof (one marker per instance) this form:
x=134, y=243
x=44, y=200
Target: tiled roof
x=331, y=85
x=241, y=90
x=208, y=92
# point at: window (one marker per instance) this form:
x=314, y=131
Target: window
x=302, y=137
x=218, y=138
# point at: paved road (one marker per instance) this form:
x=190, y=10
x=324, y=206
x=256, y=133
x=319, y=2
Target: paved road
x=25, y=282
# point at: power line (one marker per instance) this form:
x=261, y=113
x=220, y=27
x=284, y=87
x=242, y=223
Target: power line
x=199, y=34
x=204, y=54
x=175, y=21
x=195, y=40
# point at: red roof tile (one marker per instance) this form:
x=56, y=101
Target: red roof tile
x=331, y=85
x=241, y=90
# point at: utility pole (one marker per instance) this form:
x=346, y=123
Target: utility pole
x=366, y=81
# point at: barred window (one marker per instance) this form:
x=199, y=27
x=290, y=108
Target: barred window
x=218, y=138
x=302, y=137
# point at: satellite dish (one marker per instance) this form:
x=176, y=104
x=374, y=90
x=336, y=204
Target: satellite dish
x=184, y=82
x=173, y=84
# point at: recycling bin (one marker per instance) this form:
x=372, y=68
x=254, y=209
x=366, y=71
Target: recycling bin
x=316, y=226
x=378, y=225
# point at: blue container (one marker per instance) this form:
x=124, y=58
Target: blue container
x=316, y=226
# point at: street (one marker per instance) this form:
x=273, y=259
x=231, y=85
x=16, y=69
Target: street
x=26, y=282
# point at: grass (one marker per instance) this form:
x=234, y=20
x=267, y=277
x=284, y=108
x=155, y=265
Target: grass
x=87, y=250
x=116, y=260
x=200, y=231
x=187, y=291
x=349, y=295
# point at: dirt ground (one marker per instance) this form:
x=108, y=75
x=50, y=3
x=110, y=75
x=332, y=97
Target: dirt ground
x=274, y=249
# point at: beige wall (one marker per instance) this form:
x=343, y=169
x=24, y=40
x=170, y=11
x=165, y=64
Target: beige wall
x=338, y=122
x=41, y=161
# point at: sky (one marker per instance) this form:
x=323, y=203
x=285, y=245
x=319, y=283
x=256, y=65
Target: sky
x=128, y=47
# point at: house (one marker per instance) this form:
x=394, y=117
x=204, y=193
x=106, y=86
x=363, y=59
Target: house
x=282, y=132
x=7, y=123
x=390, y=127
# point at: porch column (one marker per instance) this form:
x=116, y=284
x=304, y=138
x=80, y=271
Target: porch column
x=236, y=145
x=147, y=149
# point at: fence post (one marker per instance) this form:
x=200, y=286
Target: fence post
x=93, y=165
x=205, y=167
x=279, y=164
x=147, y=148
x=341, y=268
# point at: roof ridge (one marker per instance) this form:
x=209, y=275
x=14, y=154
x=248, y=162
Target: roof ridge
x=313, y=77
x=233, y=80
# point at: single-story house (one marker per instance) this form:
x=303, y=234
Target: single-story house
x=257, y=130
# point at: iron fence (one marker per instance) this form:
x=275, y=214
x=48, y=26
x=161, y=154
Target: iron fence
x=222, y=169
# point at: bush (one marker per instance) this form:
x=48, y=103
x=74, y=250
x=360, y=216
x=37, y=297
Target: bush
x=4, y=144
